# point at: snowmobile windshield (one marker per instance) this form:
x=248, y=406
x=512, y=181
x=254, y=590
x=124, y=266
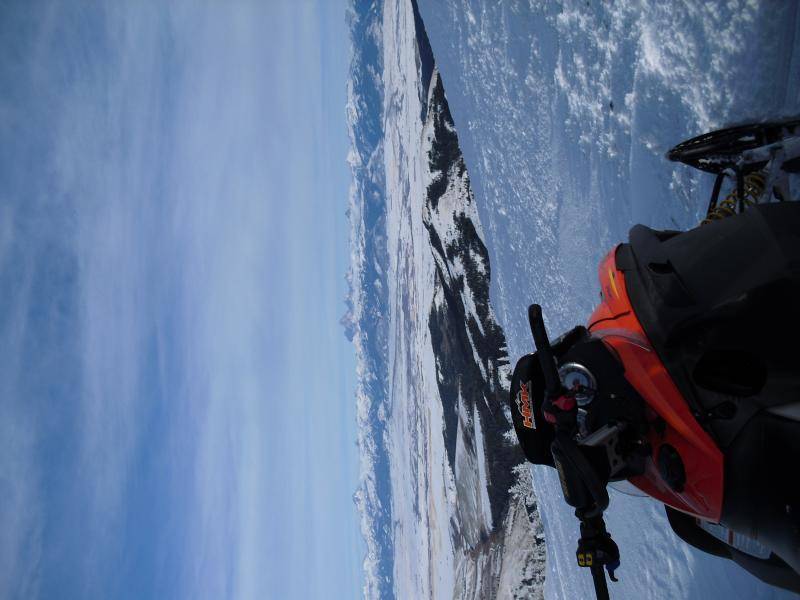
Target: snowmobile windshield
x=626, y=488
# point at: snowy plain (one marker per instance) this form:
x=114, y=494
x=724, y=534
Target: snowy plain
x=439, y=513
x=564, y=112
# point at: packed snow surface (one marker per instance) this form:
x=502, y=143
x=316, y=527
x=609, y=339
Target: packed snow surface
x=564, y=111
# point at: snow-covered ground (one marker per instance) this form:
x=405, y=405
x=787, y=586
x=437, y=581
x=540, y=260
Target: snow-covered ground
x=444, y=511
x=564, y=112
x=424, y=552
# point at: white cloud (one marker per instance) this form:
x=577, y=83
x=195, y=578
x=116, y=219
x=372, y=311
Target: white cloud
x=186, y=156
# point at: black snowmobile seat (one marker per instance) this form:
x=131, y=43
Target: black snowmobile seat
x=721, y=306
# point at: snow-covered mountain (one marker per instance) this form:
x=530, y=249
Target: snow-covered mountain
x=447, y=506
x=565, y=110
x=366, y=321
x=497, y=532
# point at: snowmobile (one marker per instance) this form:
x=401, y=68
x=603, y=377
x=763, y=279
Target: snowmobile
x=685, y=380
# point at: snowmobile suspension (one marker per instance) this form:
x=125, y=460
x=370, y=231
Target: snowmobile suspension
x=749, y=189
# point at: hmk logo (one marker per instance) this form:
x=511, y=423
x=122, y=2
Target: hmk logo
x=524, y=406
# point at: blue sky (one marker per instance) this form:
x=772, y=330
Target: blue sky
x=176, y=395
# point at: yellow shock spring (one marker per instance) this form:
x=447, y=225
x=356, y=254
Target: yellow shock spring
x=754, y=185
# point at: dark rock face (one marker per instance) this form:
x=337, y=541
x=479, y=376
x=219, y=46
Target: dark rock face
x=484, y=505
x=425, y=61
x=469, y=344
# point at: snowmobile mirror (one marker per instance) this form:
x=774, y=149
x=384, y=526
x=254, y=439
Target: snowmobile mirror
x=546, y=359
x=559, y=410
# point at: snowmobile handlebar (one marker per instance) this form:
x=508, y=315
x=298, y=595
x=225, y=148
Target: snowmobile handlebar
x=600, y=583
x=552, y=382
x=582, y=487
x=598, y=552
